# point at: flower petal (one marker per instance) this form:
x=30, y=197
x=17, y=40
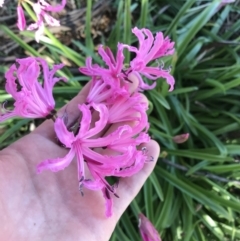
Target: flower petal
x=85, y=121
x=56, y=165
x=21, y=23
x=101, y=123
x=62, y=132
x=48, y=7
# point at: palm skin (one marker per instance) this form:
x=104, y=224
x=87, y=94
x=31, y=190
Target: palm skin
x=49, y=206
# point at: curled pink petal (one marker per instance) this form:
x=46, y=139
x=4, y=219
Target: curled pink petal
x=101, y=123
x=62, y=132
x=56, y=165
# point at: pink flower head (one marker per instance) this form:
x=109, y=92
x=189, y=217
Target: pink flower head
x=79, y=144
x=21, y=18
x=32, y=99
x=125, y=159
x=41, y=8
x=114, y=73
x=181, y=138
x=147, y=230
x=150, y=48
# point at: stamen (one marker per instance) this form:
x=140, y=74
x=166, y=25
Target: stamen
x=76, y=127
x=81, y=190
x=4, y=108
x=52, y=115
x=160, y=65
x=107, y=193
x=126, y=76
x=150, y=159
x=144, y=150
x=81, y=185
x=169, y=69
x=65, y=116
x=115, y=194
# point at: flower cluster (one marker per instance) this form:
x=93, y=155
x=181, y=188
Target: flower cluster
x=32, y=98
x=41, y=9
x=105, y=151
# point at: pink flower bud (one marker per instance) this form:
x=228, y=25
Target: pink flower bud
x=21, y=18
x=181, y=138
x=147, y=230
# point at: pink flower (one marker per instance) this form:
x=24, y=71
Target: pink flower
x=125, y=159
x=21, y=18
x=150, y=49
x=32, y=99
x=79, y=144
x=147, y=230
x=111, y=75
x=41, y=8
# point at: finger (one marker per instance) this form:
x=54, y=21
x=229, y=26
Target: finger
x=130, y=186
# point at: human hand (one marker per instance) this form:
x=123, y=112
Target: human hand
x=49, y=206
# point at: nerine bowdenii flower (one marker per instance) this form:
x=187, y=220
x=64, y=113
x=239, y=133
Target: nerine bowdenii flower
x=115, y=154
x=150, y=48
x=33, y=99
x=42, y=10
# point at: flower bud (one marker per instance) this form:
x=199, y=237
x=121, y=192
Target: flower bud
x=147, y=230
x=181, y=138
x=21, y=18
